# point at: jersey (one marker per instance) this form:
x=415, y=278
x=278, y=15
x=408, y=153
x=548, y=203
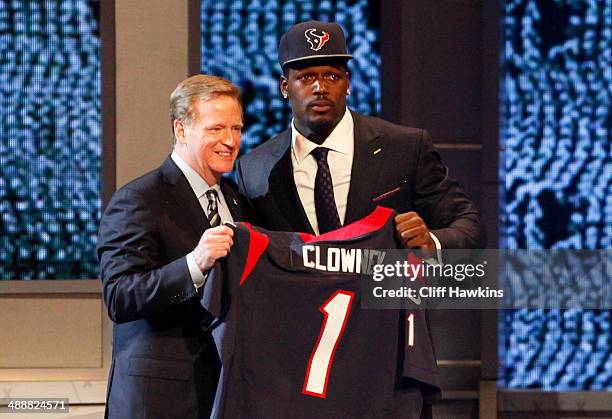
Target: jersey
x=292, y=337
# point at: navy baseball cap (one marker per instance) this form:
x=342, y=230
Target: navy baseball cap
x=312, y=40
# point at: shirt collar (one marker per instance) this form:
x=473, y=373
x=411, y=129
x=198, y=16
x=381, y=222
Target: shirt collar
x=196, y=182
x=339, y=140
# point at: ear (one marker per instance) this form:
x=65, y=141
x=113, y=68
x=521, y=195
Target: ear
x=179, y=131
x=348, y=81
x=283, y=87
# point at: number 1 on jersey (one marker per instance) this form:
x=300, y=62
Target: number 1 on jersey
x=410, y=320
x=336, y=312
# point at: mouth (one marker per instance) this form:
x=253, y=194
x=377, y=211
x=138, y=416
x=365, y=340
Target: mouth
x=321, y=106
x=224, y=154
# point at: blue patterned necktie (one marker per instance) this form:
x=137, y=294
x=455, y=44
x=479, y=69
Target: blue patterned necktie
x=213, y=209
x=325, y=204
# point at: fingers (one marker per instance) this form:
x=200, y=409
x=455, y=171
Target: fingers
x=218, y=237
x=409, y=224
x=214, y=244
x=415, y=236
x=405, y=216
x=408, y=220
x=219, y=231
x=413, y=231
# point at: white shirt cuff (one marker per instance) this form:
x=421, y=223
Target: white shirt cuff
x=438, y=247
x=197, y=276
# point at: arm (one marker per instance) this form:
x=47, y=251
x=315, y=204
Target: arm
x=137, y=282
x=442, y=206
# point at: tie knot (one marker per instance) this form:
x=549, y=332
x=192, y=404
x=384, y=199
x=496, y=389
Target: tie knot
x=213, y=210
x=320, y=154
x=211, y=195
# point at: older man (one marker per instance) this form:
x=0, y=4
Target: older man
x=333, y=166
x=158, y=237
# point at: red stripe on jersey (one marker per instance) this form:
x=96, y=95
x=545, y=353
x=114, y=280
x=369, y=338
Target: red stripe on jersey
x=372, y=222
x=306, y=237
x=258, y=243
x=414, y=260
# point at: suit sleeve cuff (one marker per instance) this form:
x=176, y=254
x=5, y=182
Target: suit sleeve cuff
x=197, y=276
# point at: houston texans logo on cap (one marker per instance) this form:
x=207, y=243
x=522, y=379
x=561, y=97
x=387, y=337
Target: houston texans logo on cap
x=325, y=41
x=316, y=41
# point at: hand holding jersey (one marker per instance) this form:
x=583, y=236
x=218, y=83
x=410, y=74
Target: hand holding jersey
x=413, y=231
x=215, y=243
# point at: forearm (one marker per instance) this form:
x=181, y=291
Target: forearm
x=465, y=232
x=131, y=295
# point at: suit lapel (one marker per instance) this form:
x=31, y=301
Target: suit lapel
x=232, y=200
x=368, y=156
x=284, y=191
x=184, y=197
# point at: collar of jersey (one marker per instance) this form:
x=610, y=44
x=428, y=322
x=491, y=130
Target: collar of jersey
x=366, y=225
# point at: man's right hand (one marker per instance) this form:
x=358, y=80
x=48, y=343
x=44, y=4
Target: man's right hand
x=215, y=243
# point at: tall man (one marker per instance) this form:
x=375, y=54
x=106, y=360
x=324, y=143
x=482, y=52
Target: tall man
x=158, y=238
x=333, y=166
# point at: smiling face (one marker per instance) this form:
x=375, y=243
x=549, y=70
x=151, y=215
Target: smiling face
x=318, y=97
x=210, y=140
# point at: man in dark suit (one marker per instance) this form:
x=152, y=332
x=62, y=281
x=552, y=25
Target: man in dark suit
x=333, y=166
x=158, y=237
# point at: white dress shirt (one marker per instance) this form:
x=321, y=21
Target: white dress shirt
x=199, y=187
x=341, y=143
x=340, y=160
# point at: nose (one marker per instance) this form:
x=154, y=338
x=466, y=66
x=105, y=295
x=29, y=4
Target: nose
x=319, y=86
x=230, y=138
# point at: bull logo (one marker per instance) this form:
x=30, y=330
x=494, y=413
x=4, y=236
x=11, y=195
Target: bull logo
x=316, y=41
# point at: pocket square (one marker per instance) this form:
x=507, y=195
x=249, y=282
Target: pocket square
x=387, y=194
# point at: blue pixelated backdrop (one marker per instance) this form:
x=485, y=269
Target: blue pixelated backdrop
x=556, y=176
x=49, y=138
x=240, y=43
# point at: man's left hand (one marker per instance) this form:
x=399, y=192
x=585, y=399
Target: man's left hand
x=413, y=232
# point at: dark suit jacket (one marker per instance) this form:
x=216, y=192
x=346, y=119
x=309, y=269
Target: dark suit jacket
x=164, y=365
x=393, y=166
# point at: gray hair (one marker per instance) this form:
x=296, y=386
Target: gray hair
x=202, y=87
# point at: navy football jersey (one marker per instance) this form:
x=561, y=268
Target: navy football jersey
x=292, y=337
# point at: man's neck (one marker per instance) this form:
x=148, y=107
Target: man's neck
x=207, y=177
x=317, y=136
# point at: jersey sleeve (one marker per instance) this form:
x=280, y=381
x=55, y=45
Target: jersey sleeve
x=419, y=360
x=229, y=273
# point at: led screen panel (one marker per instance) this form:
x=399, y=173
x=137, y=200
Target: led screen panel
x=50, y=140
x=556, y=176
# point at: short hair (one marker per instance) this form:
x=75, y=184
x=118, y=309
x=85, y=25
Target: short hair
x=202, y=87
